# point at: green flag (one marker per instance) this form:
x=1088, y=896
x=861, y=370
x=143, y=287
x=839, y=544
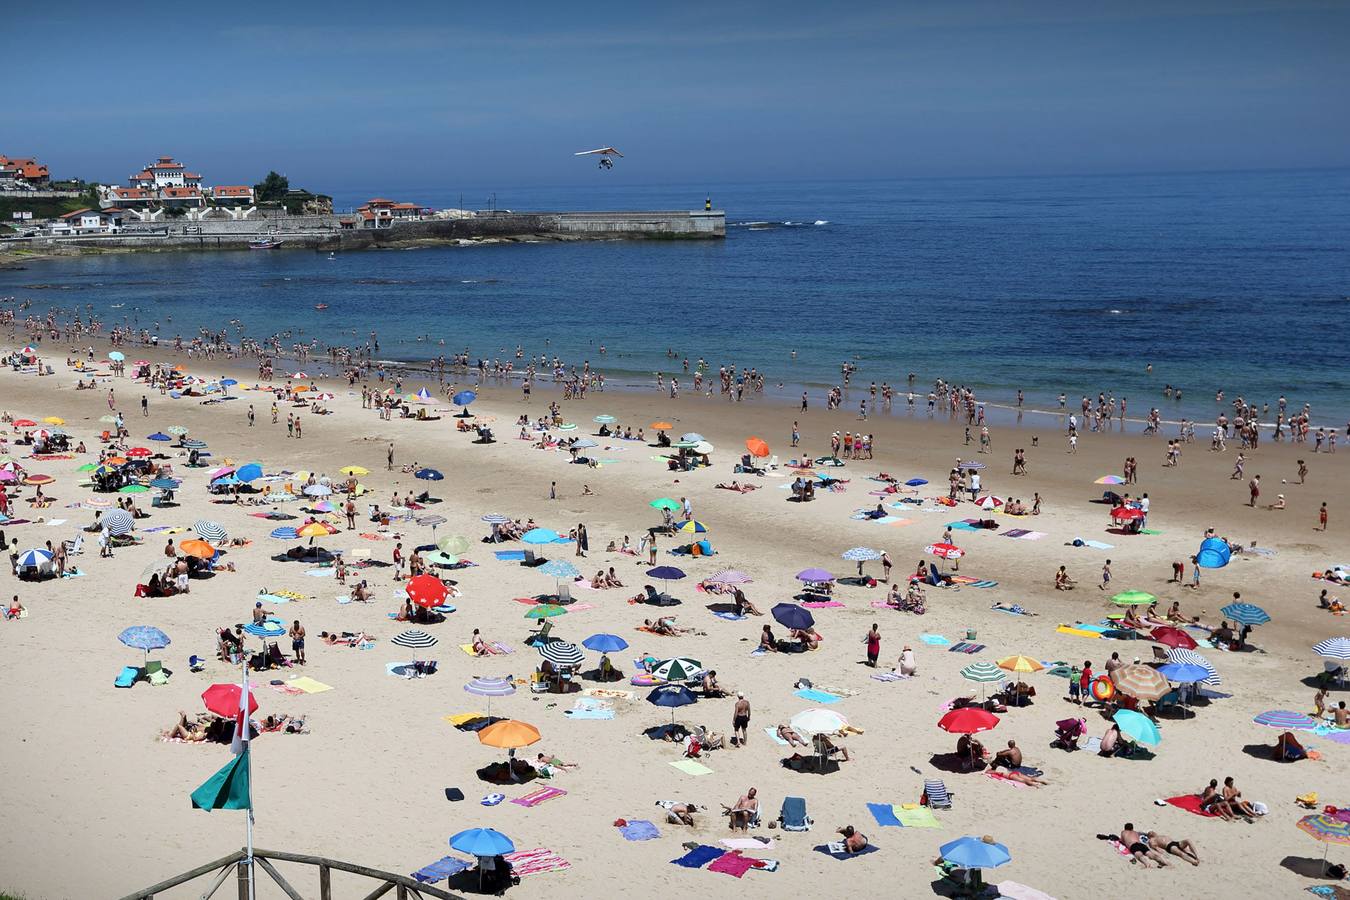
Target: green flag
x=227, y=789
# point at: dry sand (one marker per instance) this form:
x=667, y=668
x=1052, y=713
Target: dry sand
x=97, y=806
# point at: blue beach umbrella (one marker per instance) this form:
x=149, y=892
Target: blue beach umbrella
x=464, y=398
x=166, y=484
x=540, y=536
x=673, y=696
x=117, y=356
x=482, y=842
x=228, y=382
x=271, y=628
x=605, y=643
x=792, y=616
x=1184, y=673
x=32, y=559
x=559, y=568
x=428, y=475
x=144, y=637
x=285, y=533
x=1285, y=719
x=665, y=573
x=916, y=482
x=159, y=436
x=973, y=853
x=604, y=420
x=1246, y=614
x=1138, y=727
x=249, y=472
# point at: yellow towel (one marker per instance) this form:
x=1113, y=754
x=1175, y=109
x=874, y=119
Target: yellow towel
x=461, y=718
x=309, y=685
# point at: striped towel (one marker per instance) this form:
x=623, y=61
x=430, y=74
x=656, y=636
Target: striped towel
x=536, y=797
x=536, y=861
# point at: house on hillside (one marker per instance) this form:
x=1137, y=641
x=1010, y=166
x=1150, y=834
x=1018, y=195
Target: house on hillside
x=181, y=197
x=163, y=173
x=381, y=213
x=89, y=221
x=22, y=173
x=232, y=195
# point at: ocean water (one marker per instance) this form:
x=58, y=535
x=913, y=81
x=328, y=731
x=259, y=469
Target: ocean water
x=1233, y=281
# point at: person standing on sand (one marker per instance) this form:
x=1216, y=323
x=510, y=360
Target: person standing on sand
x=1254, y=487
x=251, y=416
x=298, y=433
x=651, y=550
x=389, y=458
x=796, y=434
x=553, y=490
x=1302, y=471
x=1195, y=573
x=1322, y=518
x=298, y=641
x=740, y=721
x=582, y=543
x=873, y=641
x=886, y=567
x=145, y=405
x=1106, y=575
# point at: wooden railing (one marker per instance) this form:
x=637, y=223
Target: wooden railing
x=404, y=888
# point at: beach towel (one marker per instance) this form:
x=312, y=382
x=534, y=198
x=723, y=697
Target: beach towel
x=1093, y=745
x=967, y=581
x=837, y=850
x=441, y=869
x=822, y=604
x=748, y=843
x=891, y=676
x=899, y=523
x=730, y=617
x=538, y=796
x=639, y=830
x=961, y=526
x=734, y=864
x=1014, y=532
x=884, y=814
x=535, y=862
x=308, y=685
x=935, y=640
x=999, y=776
x=817, y=696
x=1015, y=610
x=510, y=555
x=1190, y=803
x=1034, y=535
x=1098, y=545
x=966, y=647
x=699, y=857
x=589, y=708
x=692, y=767
x=496, y=645
x=916, y=816
x=608, y=693
x=773, y=736
x=1077, y=632
x=283, y=688
x=460, y=718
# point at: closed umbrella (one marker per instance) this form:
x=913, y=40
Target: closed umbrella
x=789, y=615
x=1138, y=727
x=415, y=639
x=1143, y=682
x=561, y=653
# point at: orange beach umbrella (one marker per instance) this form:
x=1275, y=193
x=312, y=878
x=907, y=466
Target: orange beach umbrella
x=199, y=549
x=756, y=446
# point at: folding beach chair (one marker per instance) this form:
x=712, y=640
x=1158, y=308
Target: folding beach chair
x=154, y=672
x=565, y=592
x=936, y=793
x=75, y=547
x=793, y=815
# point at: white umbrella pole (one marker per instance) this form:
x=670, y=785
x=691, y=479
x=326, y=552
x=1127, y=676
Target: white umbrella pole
x=244, y=737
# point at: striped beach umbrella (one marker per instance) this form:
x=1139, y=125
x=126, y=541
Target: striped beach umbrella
x=1333, y=648
x=694, y=527
x=1327, y=829
x=34, y=559
x=119, y=522
x=679, y=668
x=431, y=521
x=415, y=639
x=98, y=503
x=1110, y=479
x=495, y=519
x=1285, y=719
x=983, y=673
x=270, y=628
x=1191, y=658
x=489, y=688
x=318, y=490
x=730, y=576
x=284, y=533
x=212, y=532
x=561, y=653
x=1246, y=614
x=1143, y=682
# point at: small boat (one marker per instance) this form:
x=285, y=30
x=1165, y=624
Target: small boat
x=264, y=244
x=321, y=306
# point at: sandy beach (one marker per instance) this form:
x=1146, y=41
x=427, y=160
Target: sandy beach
x=99, y=804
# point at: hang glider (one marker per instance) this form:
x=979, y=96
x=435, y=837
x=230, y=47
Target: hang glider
x=604, y=153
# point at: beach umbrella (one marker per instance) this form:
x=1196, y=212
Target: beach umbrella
x=1183, y=673
x=604, y=420
x=667, y=574
x=983, y=673
x=249, y=472
x=177, y=429
x=34, y=559
x=223, y=700
x=861, y=554
x=1110, y=479
x=814, y=576
x=584, y=444
x=666, y=503
x=54, y=420
x=975, y=853
x=818, y=721
x=423, y=395
x=694, y=527
x=495, y=519
x=605, y=643
x=509, y=734
x=426, y=590
x=679, y=668
x=559, y=569
x=98, y=503
x=1333, y=648
x=673, y=696
x=193, y=444
x=757, y=447
x=1246, y=614
x=285, y=533
x=464, y=398
x=428, y=475
x=971, y=466
x=703, y=448
x=916, y=482
x=568, y=426
x=685, y=445
x=1190, y=657
x=489, y=688
x=24, y=423
x=210, y=531
x=119, y=522
x=1327, y=829
x=482, y=841
x=969, y=720
x=1123, y=513
x=1133, y=598
x=945, y=551
x=691, y=437
x=318, y=490
x=453, y=543
x=989, y=502
x=354, y=470
x=426, y=521
x=197, y=548
x=540, y=536
x=144, y=637
x=159, y=436
x=1141, y=681
x=789, y=615
x=1285, y=720
x=1019, y=664
x=1172, y=637
x=314, y=529
x=661, y=426
x=729, y=576
x=415, y=639
x=440, y=558
x=133, y=489
x=138, y=453
x=561, y=653
x=220, y=472
x=545, y=611
x=117, y=356
x=269, y=628
x=166, y=484
x=38, y=478
x=1138, y=727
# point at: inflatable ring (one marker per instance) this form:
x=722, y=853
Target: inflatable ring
x=1103, y=688
x=643, y=681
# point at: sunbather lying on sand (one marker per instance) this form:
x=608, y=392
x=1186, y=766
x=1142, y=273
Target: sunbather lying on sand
x=738, y=487
x=346, y=638
x=787, y=733
x=185, y=729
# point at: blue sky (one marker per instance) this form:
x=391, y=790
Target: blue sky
x=408, y=94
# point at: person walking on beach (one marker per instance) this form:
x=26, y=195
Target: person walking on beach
x=553, y=490
x=740, y=721
x=350, y=510
x=1322, y=518
x=873, y=641
x=298, y=432
x=389, y=458
x=1302, y=471
x=1106, y=575
x=886, y=567
x=145, y=405
x=1254, y=487
x=275, y=412
x=251, y=416
x=290, y=425
x=796, y=434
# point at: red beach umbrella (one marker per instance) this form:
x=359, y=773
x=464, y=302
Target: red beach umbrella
x=1126, y=512
x=426, y=590
x=969, y=720
x=1173, y=637
x=24, y=423
x=138, y=453
x=223, y=700
x=946, y=551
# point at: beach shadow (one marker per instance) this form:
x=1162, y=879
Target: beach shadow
x=949, y=763
x=1305, y=866
x=1259, y=751
x=721, y=607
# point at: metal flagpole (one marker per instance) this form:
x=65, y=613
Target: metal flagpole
x=244, y=737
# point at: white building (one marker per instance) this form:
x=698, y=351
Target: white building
x=89, y=221
x=165, y=172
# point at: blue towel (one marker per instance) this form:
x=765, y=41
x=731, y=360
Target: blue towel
x=127, y=677
x=730, y=617
x=516, y=555
x=639, y=830
x=699, y=857
x=935, y=640
x=884, y=814
x=441, y=869
x=589, y=713
x=961, y=526
x=817, y=696
x=825, y=848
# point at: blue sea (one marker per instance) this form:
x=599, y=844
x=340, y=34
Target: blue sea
x=1233, y=281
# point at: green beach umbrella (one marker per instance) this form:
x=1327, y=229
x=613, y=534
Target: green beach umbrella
x=134, y=489
x=983, y=673
x=1134, y=598
x=680, y=668
x=545, y=611
x=666, y=503
x=87, y=467
x=441, y=558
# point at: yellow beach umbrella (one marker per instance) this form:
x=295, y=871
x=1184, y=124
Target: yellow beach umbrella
x=54, y=420
x=313, y=530
x=354, y=470
x=1021, y=664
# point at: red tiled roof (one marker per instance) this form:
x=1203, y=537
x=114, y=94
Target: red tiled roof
x=27, y=166
x=78, y=212
x=142, y=176
x=131, y=193
x=232, y=190
x=406, y=206
x=165, y=165
x=191, y=175
x=179, y=192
